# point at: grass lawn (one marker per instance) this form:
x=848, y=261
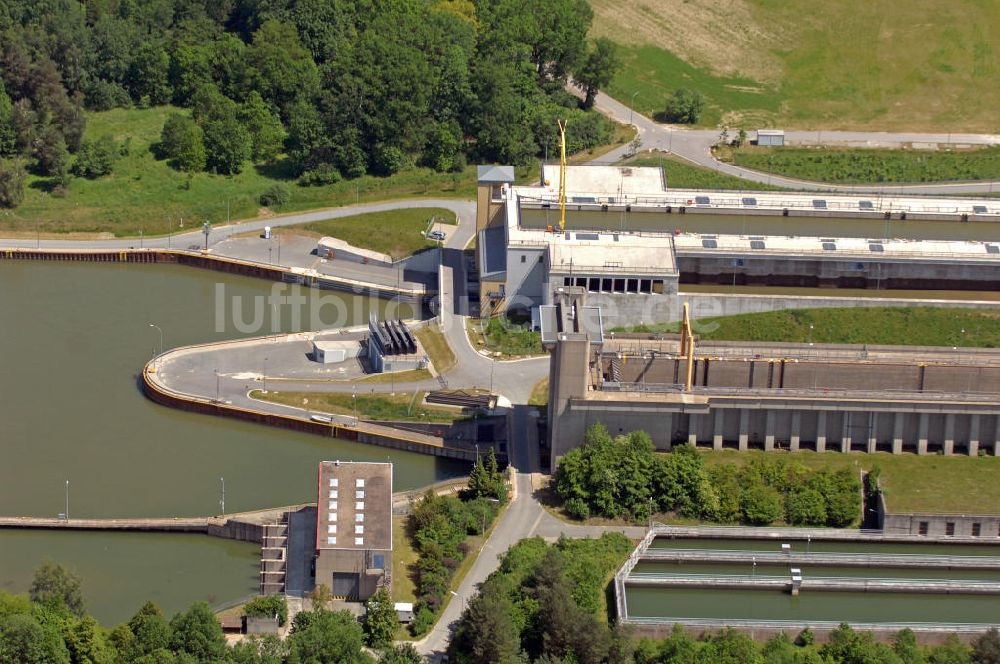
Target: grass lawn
x=145, y=194
x=911, y=483
x=434, y=342
x=539, y=393
x=398, y=233
x=683, y=174
x=402, y=407
x=504, y=337
x=655, y=73
x=870, y=166
x=911, y=326
x=849, y=64
x=396, y=377
x=403, y=557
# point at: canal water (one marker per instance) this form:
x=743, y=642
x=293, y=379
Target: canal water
x=992, y=296
x=739, y=224
x=73, y=338
x=833, y=606
x=813, y=605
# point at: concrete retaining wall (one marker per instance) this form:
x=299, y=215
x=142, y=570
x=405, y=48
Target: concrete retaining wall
x=165, y=398
x=219, y=264
x=939, y=525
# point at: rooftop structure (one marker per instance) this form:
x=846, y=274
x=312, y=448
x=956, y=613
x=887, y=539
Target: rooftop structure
x=354, y=527
x=522, y=255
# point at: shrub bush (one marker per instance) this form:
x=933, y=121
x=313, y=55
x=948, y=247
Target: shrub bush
x=267, y=606
x=276, y=195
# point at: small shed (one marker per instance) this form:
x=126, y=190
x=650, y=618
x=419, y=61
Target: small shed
x=774, y=138
x=331, y=352
x=404, y=611
x=261, y=625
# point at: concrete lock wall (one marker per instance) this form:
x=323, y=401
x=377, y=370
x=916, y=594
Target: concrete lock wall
x=982, y=526
x=844, y=272
x=827, y=425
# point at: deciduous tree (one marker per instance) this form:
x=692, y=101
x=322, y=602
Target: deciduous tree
x=597, y=69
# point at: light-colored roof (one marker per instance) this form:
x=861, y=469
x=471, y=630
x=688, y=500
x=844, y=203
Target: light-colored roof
x=336, y=344
x=599, y=181
x=770, y=132
x=491, y=174
x=629, y=254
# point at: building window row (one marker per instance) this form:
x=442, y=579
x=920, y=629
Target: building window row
x=616, y=284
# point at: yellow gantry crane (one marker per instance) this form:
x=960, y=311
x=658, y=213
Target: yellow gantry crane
x=687, y=348
x=562, y=175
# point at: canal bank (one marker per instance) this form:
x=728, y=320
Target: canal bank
x=81, y=333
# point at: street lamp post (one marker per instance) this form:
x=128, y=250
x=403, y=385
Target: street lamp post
x=631, y=106
x=206, y=228
x=160, y=330
x=216, y=385
x=222, y=501
x=67, y=500
x=493, y=365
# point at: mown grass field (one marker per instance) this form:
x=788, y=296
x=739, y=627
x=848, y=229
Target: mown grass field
x=911, y=483
x=499, y=335
x=682, y=174
x=847, y=64
x=402, y=406
x=437, y=348
x=398, y=233
x=916, y=326
x=146, y=194
x=871, y=166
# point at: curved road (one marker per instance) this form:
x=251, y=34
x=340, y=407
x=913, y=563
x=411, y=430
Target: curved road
x=695, y=146
x=465, y=211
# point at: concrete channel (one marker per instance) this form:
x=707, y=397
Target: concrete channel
x=876, y=586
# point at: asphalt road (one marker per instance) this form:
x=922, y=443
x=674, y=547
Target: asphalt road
x=695, y=146
x=464, y=210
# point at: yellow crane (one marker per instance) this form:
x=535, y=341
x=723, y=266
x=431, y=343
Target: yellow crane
x=562, y=175
x=687, y=348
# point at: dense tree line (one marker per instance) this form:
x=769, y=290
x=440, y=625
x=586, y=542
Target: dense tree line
x=845, y=646
x=50, y=625
x=344, y=88
x=623, y=477
x=439, y=527
x=543, y=605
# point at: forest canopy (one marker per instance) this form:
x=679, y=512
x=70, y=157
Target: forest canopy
x=338, y=89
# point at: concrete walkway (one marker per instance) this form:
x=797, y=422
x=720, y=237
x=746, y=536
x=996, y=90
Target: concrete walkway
x=695, y=146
